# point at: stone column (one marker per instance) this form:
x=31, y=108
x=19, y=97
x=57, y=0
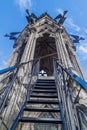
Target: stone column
x=27, y=56
x=65, y=52
x=60, y=50
x=27, y=48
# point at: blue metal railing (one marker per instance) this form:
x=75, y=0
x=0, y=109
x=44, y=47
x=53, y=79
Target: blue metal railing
x=10, y=84
x=78, y=79
x=68, y=109
x=82, y=82
x=21, y=64
x=13, y=67
x=7, y=69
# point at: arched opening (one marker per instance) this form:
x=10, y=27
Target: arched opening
x=46, y=50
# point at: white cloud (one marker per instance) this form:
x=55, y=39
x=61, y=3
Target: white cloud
x=70, y=23
x=86, y=30
x=24, y=4
x=83, y=49
x=4, y=62
x=60, y=11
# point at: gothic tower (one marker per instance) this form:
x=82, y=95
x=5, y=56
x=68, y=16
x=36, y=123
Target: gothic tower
x=43, y=80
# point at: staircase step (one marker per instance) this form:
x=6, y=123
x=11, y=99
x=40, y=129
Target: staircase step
x=43, y=91
x=45, y=84
x=45, y=80
x=40, y=120
x=43, y=95
x=43, y=101
x=44, y=87
x=45, y=109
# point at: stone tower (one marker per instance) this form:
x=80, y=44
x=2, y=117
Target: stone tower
x=43, y=39
x=45, y=30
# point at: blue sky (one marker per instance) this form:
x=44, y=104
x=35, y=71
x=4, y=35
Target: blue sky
x=12, y=18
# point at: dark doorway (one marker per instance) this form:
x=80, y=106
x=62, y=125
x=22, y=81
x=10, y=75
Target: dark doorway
x=46, y=50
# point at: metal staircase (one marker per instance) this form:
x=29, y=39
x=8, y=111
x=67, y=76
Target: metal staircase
x=43, y=92
x=53, y=96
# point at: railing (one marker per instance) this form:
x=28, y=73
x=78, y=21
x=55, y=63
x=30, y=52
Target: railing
x=83, y=119
x=15, y=85
x=69, y=86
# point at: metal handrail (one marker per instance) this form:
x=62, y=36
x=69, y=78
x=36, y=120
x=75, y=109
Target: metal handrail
x=82, y=119
x=10, y=85
x=5, y=96
x=13, y=126
x=78, y=79
x=84, y=115
x=68, y=107
x=21, y=64
x=14, y=67
x=59, y=93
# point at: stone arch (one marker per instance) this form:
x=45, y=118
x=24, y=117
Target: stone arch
x=46, y=50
